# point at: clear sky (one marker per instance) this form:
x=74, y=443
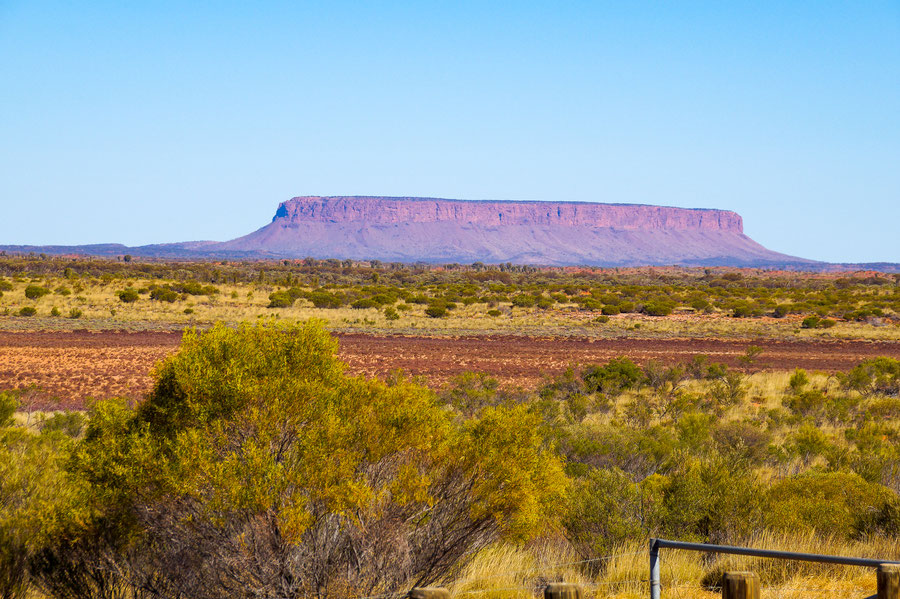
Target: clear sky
x=148, y=122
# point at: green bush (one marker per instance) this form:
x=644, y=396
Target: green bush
x=280, y=299
x=659, y=307
x=75, y=313
x=494, y=313
x=163, y=294
x=243, y=431
x=5, y=285
x=33, y=292
x=616, y=375
x=436, y=311
x=364, y=304
x=324, y=299
x=27, y=311
x=874, y=376
x=810, y=322
x=54, y=311
x=524, y=301
x=391, y=314
x=128, y=295
x=831, y=503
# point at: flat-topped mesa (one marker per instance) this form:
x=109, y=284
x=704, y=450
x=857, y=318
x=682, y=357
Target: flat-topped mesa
x=489, y=213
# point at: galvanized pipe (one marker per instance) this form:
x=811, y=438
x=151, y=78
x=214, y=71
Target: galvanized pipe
x=657, y=544
x=654, y=569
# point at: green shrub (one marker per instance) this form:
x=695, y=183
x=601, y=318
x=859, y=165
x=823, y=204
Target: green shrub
x=494, y=313
x=5, y=285
x=700, y=305
x=363, y=304
x=70, y=423
x=55, y=311
x=524, y=301
x=810, y=322
x=62, y=291
x=436, y=311
x=163, y=294
x=659, y=307
x=33, y=292
x=188, y=311
x=610, y=310
x=75, y=313
x=874, y=376
x=28, y=311
x=128, y=295
x=323, y=299
x=391, y=314
x=613, y=377
x=832, y=503
x=280, y=299
x=243, y=431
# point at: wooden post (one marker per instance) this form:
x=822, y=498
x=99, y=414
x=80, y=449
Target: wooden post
x=740, y=585
x=562, y=590
x=888, y=581
x=429, y=593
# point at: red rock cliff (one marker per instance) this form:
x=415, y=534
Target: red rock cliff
x=382, y=210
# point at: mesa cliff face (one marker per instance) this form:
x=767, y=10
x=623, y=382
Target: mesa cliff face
x=552, y=233
x=389, y=211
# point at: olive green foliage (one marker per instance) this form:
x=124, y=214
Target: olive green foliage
x=832, y=503
x=36, y=292
x=128, y=295
x=877, y=375
x=616, y=375
x=31, y=481
x=257, y=433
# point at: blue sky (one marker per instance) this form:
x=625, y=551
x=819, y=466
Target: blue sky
x=158, y=122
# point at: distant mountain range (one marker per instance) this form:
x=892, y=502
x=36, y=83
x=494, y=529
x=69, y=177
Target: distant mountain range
x=460, y=231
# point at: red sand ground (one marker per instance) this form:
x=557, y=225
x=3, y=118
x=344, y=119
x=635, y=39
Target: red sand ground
x=76, y=366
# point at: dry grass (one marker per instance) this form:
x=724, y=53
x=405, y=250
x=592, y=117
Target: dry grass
x=511, y=572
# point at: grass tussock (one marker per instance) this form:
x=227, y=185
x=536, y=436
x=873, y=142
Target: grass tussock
x=509, y=572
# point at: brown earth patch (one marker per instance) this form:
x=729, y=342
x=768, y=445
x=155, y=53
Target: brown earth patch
x=75, y=366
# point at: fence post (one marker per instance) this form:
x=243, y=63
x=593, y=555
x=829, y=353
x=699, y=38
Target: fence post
x=888, y=581
x=562, y=590
x=740, y=585
x=654, y=569
x=429, y=593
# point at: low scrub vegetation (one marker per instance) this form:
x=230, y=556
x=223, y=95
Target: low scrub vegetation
x=352, y=293
x=257, y=467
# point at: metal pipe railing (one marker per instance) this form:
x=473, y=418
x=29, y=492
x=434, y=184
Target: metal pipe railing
x=657, y=544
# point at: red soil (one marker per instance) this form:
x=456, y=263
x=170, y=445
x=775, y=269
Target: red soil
x=76, y=366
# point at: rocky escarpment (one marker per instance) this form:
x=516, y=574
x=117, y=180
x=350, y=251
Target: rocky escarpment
x=389, y=211
x=560, y=233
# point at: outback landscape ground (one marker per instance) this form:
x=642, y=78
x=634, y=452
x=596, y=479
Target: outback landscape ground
x=66, y=369
x=731, y=405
